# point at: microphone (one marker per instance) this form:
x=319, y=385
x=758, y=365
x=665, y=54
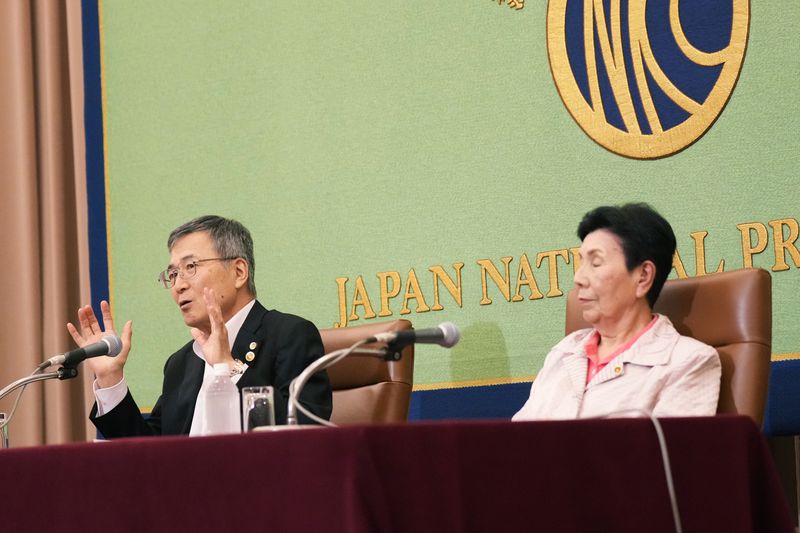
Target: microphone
x=445, y=334
x=110, y=345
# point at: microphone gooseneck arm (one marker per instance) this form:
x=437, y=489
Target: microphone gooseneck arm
x=61, y=373
x=445, y=334
x=297, y=384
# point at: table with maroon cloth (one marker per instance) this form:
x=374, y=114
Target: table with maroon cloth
x=592, y=475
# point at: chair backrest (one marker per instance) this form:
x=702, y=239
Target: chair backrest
x=731, y=311
x=367, y=389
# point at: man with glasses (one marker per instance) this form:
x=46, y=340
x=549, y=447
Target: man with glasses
x=210, y=278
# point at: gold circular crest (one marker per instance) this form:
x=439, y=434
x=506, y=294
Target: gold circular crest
x=632, y=141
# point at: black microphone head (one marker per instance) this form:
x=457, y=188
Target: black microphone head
x=451, y=334
x=114, y=345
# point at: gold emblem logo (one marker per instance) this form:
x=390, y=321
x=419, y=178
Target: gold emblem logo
x=646, y=79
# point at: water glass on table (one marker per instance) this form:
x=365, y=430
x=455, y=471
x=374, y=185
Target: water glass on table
x=258, y=407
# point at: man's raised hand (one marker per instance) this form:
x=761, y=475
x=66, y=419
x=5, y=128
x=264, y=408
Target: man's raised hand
x=108, y=370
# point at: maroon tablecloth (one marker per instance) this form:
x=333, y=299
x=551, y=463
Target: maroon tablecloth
x=595, y=475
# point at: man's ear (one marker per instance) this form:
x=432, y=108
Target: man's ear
x=646, y=275
x=242, y=270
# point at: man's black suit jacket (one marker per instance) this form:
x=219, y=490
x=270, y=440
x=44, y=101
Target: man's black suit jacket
x=283, y=345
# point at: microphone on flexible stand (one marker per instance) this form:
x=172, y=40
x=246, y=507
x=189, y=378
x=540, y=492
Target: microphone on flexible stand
x=109, y=345
x=445, y=334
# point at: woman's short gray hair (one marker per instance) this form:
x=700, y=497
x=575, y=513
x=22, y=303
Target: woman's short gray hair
x=230, y=238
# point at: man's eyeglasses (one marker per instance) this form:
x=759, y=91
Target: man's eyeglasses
x=168, y=277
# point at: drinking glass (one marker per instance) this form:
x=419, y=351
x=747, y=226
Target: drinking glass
x=258, y=407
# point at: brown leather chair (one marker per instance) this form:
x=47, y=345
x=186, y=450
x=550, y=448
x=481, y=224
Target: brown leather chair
x=731, y=311
x=367, y=389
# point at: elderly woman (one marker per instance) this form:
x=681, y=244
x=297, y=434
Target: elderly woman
x=631, y=358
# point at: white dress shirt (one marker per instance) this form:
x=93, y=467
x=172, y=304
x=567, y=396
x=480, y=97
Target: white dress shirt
x=110, y=397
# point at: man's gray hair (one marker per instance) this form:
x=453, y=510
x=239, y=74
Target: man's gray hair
x=230, y=238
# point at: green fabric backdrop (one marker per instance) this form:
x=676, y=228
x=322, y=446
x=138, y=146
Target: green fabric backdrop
x=355, y=138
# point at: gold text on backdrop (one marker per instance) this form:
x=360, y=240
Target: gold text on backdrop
x=516, y=281
x=513, y=4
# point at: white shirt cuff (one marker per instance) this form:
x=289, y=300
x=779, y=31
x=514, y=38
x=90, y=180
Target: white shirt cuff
x=110, y=397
